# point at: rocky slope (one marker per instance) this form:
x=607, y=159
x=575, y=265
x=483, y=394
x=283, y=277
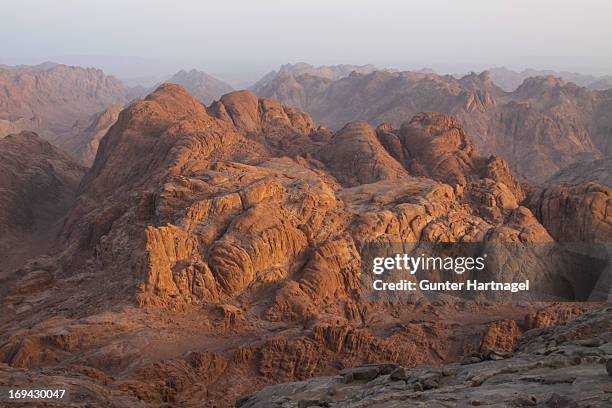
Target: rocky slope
x=574, y=204
x=214, y=250
x=597, y=171
x=201, y=85
x=575, y=212
x=56, y=101
x=540, y=128
x=558, y=366
x=85, y=136
x=38, y=184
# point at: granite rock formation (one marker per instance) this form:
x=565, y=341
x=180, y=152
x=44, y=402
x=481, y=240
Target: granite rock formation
x=575, y=212
x=575, y=204
x=214, y=250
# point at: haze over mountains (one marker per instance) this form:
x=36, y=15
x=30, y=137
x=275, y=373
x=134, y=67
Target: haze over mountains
x=201, y=85
x=332, y=72
x=509, y=80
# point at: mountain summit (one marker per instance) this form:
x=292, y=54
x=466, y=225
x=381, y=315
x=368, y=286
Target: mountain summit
x=201, y=85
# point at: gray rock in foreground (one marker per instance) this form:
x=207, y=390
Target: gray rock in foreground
x=559, y=366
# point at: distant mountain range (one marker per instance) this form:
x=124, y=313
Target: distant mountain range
x=541, y=127
x=509, y=80
x=57, y=101
x=331, y=72
x=201, y=85
x=73, y=107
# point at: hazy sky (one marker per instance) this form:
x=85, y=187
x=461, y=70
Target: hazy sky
x=222, y=34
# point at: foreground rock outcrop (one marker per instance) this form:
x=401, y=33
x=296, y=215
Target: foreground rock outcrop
x=559, y=366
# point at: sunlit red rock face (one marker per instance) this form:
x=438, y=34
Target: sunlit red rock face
x=215, y=205
x=215, y=250
x=543, y=126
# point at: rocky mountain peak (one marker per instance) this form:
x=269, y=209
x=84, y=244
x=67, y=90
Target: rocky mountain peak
x=483, y=79
x=535, y=86
x=203, y=86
